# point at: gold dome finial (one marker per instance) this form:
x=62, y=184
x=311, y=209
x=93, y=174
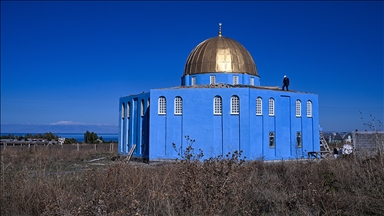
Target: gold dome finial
x=219, y=29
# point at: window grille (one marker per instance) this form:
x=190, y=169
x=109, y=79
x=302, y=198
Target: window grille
x=271, y=107
x=217, y=106
x=122, y=111
x=252, y=81
x=271, y=139
x=178, y=105
x=235, y=105
x=142, y=108
x=235, y=80
x=212, y=80
x=309, y=108
x=259, y=106
x=162, y=105
x=194, y=81
x=298, y=108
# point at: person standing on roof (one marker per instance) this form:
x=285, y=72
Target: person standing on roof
x=285, y=83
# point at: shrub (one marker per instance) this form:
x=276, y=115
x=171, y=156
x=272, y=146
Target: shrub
x=55, y=181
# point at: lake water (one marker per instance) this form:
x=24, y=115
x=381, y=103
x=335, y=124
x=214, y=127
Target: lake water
x=78, y=136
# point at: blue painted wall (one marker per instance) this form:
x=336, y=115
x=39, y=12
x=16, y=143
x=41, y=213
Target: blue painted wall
x=219, y=134
x=225, y=78
x=134, y=124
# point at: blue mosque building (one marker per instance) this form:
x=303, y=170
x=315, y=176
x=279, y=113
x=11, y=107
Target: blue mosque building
x=222, y=106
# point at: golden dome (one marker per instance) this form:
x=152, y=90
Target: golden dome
x=220, y=55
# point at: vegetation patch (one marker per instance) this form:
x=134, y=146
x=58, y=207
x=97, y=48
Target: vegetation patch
x=94, y=181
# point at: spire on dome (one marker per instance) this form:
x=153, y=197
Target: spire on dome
x=219, y=29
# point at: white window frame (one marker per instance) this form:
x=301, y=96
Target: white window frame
x=142, y=108
x=123, y=110
x=212, y=80
x=271, y=107
x=193, y=80
x=309, y=109
x=259, y=106
x=178, y=104
x=162, y=105
x=298, y=108
x=235, y=105
x=252, y=81
x=217, y=106
x=235, y=80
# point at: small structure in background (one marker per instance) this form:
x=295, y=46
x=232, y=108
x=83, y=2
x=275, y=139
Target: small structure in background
x=367, y=143
x=347, y=138
x=347, y=149
x=61, y=141
x=335, y=138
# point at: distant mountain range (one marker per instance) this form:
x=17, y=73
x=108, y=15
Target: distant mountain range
x=57, y=128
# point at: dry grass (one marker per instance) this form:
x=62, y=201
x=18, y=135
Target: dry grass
x=49, y=181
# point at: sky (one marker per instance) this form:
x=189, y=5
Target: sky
x=64, y=64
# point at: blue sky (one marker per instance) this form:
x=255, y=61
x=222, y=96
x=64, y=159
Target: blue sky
x=67, y=63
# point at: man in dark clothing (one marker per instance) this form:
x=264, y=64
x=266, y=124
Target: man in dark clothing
x=285, y=83
x=335, y=152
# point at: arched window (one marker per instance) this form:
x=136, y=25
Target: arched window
x=142, y=108
x=298, y=108
x=122, y=111
x=259, y=106
x=217, y=110
x=309, y=108
x=235, y=105
x=128, y=109
x=271, y=107
x=252, y=81
x=148, y=103
x=178, y=105
x=162, y=106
